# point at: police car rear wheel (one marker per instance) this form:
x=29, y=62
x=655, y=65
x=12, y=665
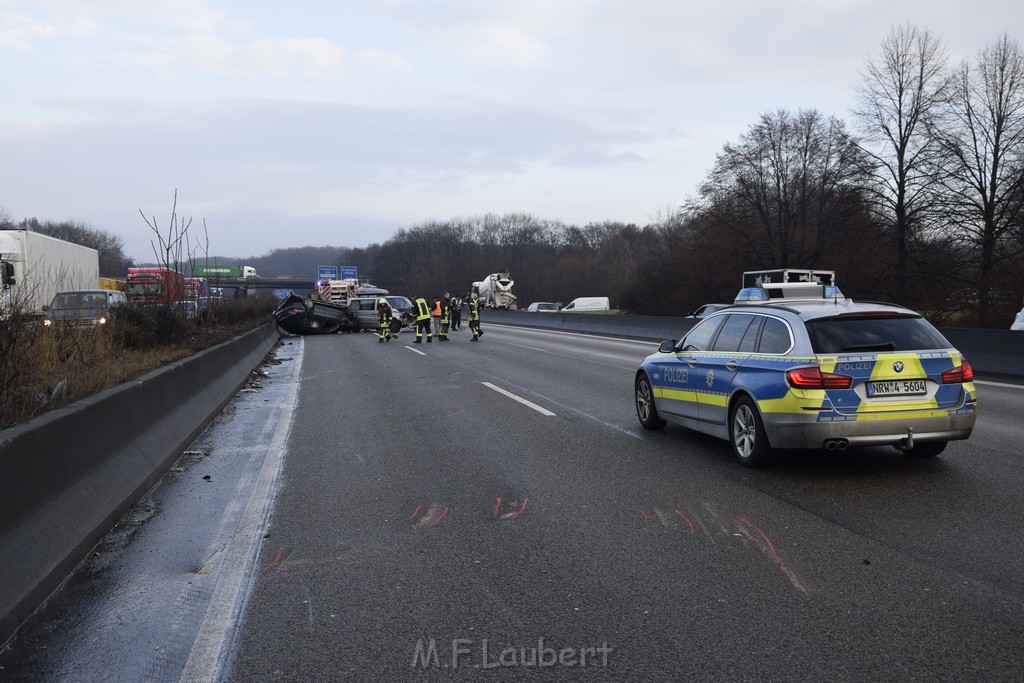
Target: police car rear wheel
x=645, y=408
x=747, y=436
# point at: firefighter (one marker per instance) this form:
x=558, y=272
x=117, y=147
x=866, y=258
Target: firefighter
x=474, y=318
x=456, y=309
x=446, y=317
x=384, y=321
x=422, y=320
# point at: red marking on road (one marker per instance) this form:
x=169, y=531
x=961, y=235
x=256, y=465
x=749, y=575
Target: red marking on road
x=643, y=513
x=687, y=520
x=771, y=547
x=275, y=562
x=497, y=506
x=438, y=520
x=415, y=512
x=521, y=509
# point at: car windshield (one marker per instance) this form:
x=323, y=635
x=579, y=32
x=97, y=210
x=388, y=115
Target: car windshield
x=77, y=300
x=399, y=302
x=878, y=332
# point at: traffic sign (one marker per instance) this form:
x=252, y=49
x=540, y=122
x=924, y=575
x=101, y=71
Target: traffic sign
x=348, y=272
x=327, y=273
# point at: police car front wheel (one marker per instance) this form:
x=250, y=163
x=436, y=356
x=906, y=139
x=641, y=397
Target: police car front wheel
x=646, y=411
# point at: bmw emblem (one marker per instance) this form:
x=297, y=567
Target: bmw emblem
x=897, y=366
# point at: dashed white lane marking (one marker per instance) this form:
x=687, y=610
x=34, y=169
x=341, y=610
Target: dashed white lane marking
x=542, y=411
x=415, y=350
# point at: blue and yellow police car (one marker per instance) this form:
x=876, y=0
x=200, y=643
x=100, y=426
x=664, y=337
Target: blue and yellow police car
x=799, y=366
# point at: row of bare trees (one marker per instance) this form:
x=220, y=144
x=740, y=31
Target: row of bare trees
x=918, y=200
x=922, y=204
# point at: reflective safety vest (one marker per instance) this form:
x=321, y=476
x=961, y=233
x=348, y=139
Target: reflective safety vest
x=422, y=310
x=437, y=308
x=474, y=309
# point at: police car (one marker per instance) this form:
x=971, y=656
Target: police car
x=797, y=365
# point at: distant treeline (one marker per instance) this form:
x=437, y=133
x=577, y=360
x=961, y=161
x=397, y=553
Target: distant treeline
x=919, y=201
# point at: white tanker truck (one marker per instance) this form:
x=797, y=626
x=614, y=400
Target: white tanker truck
x=495, y=291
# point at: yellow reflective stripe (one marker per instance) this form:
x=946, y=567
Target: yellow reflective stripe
x=794, y=402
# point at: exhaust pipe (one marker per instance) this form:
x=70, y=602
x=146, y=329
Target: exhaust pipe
x=836, y=444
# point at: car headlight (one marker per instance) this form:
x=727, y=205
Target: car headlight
x=47, y=322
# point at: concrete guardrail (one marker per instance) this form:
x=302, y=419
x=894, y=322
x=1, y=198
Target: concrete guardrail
x=999, y=352
x=67, y=477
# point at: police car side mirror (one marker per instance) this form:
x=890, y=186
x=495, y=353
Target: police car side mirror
x=667, y=346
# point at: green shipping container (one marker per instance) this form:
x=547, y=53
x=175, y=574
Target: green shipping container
x=217, y=271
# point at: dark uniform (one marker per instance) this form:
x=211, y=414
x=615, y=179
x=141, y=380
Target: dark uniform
x=474, y=318
x=456, y=313
x=446, y=317
x=422, y=320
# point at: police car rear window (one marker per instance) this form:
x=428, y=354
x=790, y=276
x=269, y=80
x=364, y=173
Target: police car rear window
x=853, y=334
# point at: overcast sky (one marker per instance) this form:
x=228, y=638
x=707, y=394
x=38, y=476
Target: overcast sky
x=335, y=122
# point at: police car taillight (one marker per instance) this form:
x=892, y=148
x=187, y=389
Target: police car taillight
x=964, y=373
x=813, y=378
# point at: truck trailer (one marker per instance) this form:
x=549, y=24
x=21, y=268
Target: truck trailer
x=216, y=272
x=34, y=267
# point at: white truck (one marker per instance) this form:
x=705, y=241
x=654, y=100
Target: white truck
x=34, y=267
x=495, y=291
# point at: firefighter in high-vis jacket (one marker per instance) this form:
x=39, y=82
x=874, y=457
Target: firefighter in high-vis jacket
x=422, y=320
x=384, y=321
x=474, y=318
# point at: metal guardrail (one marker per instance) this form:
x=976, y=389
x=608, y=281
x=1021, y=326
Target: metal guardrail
x=998, y=352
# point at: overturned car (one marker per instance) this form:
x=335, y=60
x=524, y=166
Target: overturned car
x=310, y=315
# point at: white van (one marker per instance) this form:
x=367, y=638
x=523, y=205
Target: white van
x=588, y=303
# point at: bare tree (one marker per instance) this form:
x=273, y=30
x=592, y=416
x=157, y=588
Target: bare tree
x=783, y=195
x=983, y=158
x=904, y=86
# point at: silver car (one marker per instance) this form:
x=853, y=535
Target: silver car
x=811, y=370
x=86, y=307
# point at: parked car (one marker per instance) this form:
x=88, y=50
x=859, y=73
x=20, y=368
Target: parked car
x=813, y=372
x=706, y=310
x=188, y=308
x=588, y=303
x=365, y=309
x=542, y=307
x=84, y=307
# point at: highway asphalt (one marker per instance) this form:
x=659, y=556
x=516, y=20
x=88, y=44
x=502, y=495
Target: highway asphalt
x=492, y=510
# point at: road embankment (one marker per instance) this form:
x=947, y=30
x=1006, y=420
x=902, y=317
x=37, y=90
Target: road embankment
x=68, y=476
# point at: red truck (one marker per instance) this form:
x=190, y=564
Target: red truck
x=154, y=286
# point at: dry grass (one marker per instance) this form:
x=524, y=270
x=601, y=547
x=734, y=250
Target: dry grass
x=44, y=368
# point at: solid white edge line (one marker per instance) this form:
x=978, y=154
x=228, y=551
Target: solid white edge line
x=986, y=383
x=542, y=411
x=210, y=649
x=650, y=343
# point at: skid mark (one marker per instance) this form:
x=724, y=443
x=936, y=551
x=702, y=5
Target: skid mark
x=673, y=518
x=682, y=515
x=761, y=540
x=509, y=510
x=432, y=517
x=287, y=564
